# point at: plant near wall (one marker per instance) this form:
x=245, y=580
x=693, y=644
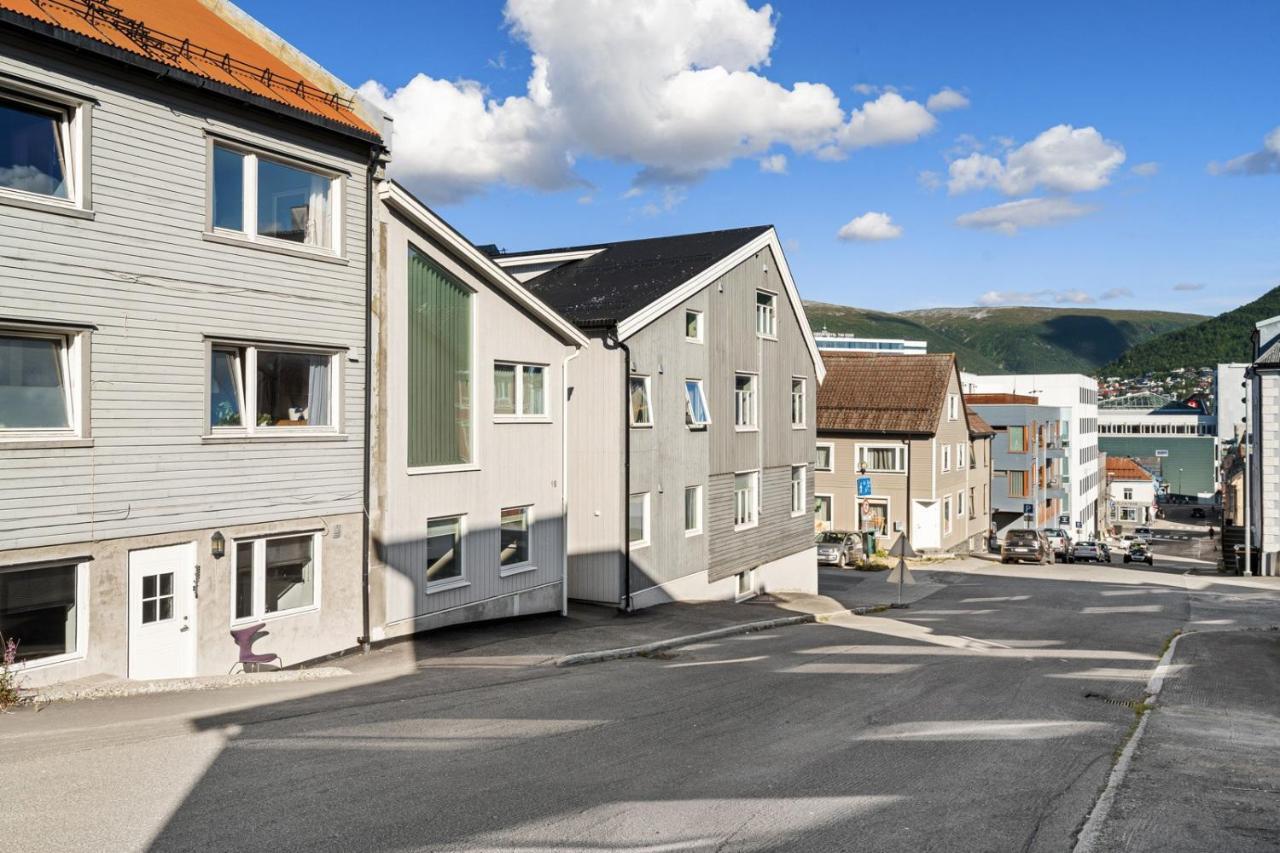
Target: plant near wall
x=10, y=693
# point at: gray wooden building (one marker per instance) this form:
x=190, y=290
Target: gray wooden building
x=182, y=342
x=691, y=416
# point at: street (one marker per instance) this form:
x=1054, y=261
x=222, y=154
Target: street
x=986, y=716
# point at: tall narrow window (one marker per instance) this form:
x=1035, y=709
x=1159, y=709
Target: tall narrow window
x=959, y=504
x=514, y=537
x=640, y=408
x=638, y=520
x=946, y=457
x=35, y=149
x=1017, y=484
x=798, y=490
x=766, y=314
x=693, y=326
x=798, y=402
x=226, y=388
x=439, y=412
x=746, y=499
x=695, y=404
x=946, y=514
x=35, y=385
x=973, y=507
x=1017, y=439
x=444, y=549
x=692, y=510
x=744, y=401
x=953, y=407
x=962, y=455
x=822, y=512
x=228, y=189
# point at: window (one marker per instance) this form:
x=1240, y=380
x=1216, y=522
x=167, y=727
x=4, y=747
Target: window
x=826, y=458
x=798, y=402
x=959, y=504
x=514, y=539
x=744, y=401
x=444, y=551
x=440, y=359
x=962, y=456
x=41, y=384
x=257, y=196
x=638, y=520
x=695, y=404
x=746, y=500
x=946, y=514
x=822, y=512
x=1128, y=494
x=1017, y=439
x=693, y=326
x=261, y=388
x=973, y=508
x=1128, y=513
x=692, y=510
x=40, y=609
x=272, y=576
x=519, y=390
x=745, y=583
x=798, y=491
x=641, y=410
x=953, y=407
x=41, y=151
x=973, y=457
x=946, y=457
x=886, y=458
x=766, y=314
x=1017, y=484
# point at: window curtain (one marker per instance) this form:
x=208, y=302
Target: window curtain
x=318, y=391
x=439, y=380
x=319, y=227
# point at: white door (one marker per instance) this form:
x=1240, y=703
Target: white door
x=926, y=524
x=162, y=612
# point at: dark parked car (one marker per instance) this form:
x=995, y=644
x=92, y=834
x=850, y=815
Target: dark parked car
x=1139, y=552
x=838, y=547
x=1198, y=512
x=1020, y=545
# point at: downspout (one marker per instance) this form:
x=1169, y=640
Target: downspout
x=564, y=478
x=910, y=497
x=626, y=468
x=363, y=639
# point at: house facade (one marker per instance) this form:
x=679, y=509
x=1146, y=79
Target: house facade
x=691, y=416
x=1262, y=440
x=1030, y=453
x=1131, y=491
x=899, y=452
x=469, y=482
x=182, y=341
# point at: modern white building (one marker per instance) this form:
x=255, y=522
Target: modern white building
x=1131, y=490
x=839, y=342
x=1078, y=394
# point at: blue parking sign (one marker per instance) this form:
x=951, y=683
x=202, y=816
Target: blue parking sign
x=864, y=487
x=1027, y=509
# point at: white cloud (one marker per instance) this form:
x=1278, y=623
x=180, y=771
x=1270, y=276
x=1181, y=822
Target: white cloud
x=870, y=227
x=1010, y=217
x=674, y=87
x=672, y=197
x=775, y=164
x=1072, y=296
x=946, y=99
x=1116, y=293
x=1265, y=161
x=930, y=180
x=1062, y=159
x=873, y=88
x=1146, y=170
x=1187, y=287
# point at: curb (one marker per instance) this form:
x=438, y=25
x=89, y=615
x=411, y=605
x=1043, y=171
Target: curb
x=126, y=689
x=727, y=631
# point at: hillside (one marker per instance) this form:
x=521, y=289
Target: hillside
x=1218, y=339
x=1011, y=340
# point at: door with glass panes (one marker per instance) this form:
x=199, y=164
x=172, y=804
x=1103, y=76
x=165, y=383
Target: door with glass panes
x=162, y=612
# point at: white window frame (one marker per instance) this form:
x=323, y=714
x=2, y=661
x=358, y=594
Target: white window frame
x=799, y=403
x=648, y=396
x=962, y=456
x=831, y=505
x=769, y=314
x=961, y=507
x=647, y=519
x=831, y=456
x=946, y=458
x=953, y=407
x=900, y=457
x=526, y=565
x=249, y=427
x=249, y=217
x=752, y=397
x=696, y=530
x=520, y=415
x=744, y=585
x=688, y=405
x=74, y=364
x=74, y=139
x=798, y=500
x=1126, y=493
x=701, y=322
x=948, y=515
x=259, y=577
x=752, y=508
x=82, y=613
x=432, y=587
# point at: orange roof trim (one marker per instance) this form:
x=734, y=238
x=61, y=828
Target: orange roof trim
x=189, y=36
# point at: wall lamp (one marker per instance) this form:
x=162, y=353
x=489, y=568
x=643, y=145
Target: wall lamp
x=218, y=545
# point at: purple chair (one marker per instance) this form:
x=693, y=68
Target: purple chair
x=244, y=638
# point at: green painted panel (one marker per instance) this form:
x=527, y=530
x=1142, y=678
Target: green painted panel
x=440, y=375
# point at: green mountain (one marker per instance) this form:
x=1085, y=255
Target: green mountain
x=1218, y=339
x=1010, y=339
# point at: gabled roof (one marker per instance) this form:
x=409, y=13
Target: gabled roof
x=618, y=279
x=978, y=426
x=225, y=47
x=425, y=219
x=887, y=394
x=1124, y=468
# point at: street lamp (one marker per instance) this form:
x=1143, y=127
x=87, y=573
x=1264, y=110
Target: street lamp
x=1179, y=481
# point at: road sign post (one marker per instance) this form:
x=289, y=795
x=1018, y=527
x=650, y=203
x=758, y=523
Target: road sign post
x=902, y=550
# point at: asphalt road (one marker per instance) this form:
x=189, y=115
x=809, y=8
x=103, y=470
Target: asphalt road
x=984, y=717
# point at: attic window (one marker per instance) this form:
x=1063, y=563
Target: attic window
x=766, y=314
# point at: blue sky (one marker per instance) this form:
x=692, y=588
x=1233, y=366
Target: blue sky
x=1171, y=89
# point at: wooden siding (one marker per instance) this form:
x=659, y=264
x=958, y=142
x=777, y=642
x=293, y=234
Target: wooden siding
x=779, y=533
x=141, y=273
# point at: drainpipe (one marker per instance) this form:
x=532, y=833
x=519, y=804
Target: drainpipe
x=363, y=639
x=910, y=497
x=613, y=340
x=564, y=478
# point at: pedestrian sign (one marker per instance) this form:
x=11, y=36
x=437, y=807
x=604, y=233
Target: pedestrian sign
x=864, y=487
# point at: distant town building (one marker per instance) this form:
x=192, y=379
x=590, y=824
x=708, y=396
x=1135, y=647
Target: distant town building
x=838, y=342
x=1173, y=439
x=1131, y=490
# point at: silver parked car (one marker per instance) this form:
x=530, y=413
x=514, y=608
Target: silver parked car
x=838, y=547
x=1086, y=550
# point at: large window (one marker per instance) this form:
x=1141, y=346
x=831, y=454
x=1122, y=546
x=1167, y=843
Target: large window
x=766, y=314
x=1017, y=439
x=520, y=390
x=259, y=388
x=695, y=400
x=40, y=610
x=257, y=196
x=798, y=402
x=746, y=499
x=826, y=458
x=1017, y=484
x=514, y=527
x=40, y=384
x=439, y=376
x=692, y=510
x=641, y=410
x=798, y=490
x=638, y=520
x=37, y=148
x=744, y=401
x=275, y=576
x=444, y=550
x=882, y=458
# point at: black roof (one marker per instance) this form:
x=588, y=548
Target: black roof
x=625, y=276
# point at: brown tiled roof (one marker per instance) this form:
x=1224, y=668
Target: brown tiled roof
x=191, y=37
x=977, y=426
x=871, y=392
x=1124, y=468
x=997, y=399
